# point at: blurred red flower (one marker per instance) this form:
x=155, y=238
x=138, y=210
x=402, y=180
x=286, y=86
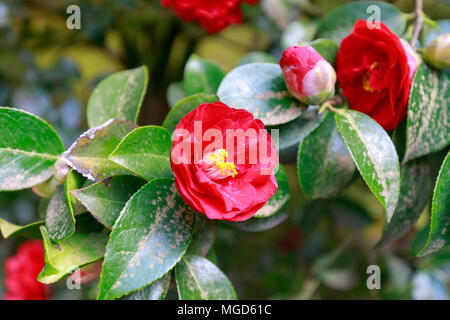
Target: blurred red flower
x=21, y=271
x=211, y=15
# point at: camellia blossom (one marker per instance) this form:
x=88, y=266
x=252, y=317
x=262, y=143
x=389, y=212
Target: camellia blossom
x=375, y=70
x=309, y=77
x=223, y=160
x=211, y=15
x=21, y=271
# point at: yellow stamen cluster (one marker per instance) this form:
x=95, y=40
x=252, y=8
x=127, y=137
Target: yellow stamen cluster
x=366, y=79
x=217, y=158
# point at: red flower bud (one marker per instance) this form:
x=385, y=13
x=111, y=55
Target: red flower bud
x=309, y=77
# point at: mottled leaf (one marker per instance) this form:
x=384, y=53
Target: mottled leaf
x=415, y=190
x=292, y=133
x=204, y=235
x=201, y=76
x=280, y=197
x=440, y=212
x=374, y=154
x=105, y=201
x=199, y=279
x=119, y=96
x=260, y=89
x=156, y=291
x=89, y=153
x=66, y=256
x=150, y=236
x=325, y=165
x=338, y=23
x=184, y=106
x=29, y=147
x=428, y=124
x=60, y=221
x=145, y=151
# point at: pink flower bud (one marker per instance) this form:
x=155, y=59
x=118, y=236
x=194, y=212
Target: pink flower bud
x=309, y=77
x=437, y=53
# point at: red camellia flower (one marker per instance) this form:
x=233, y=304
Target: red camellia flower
x=21, y=271
x=375, y=69
x=213, y=15
x=223, y=160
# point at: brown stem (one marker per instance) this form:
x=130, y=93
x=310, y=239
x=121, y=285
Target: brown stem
x=419, y=22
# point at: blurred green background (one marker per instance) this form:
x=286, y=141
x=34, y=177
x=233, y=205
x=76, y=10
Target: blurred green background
x=321, y=251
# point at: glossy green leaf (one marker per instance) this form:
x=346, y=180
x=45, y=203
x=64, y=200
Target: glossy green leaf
x=292, y=133
x=280, y=197
x=29, y=147
x=325, y=165
x=184, y=106
x=338, y=23
x=66, y=256
x=89, y=153
x=260, y=89
x=73, y=181
x=201, y=76
x=204, y=235
x=254, y=57
x=415, y=190
x=145, y=151
x=199, y=279
x=150, y=236
x=440, y=212
x=156, y=291
x=297, y=32
x=255, y=224
x=119, y=96
x=175, y=92
x=327, y=48
x=9, y=229
x=428, y=124
x=374, y=154
x=105, y=201
x=59, y=221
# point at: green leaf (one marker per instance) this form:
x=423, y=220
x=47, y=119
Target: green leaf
x=175, y=92
x=325, y=165
x=292, y=133
x=201, y=76
x=29, y=147
x=59, y=220
x=279, y=199
x=68, y=255
x=256, y=56
x=184, y=106
x=89, y=153
x=338, y=23
x=440, y=212
x=199, y=279
x=374, y=154
x=156, y=291
x=327, y=48
x=9, y=229
x=255, y=224
x=260, y=89
x=415, y=190
x=73, y=181
x=297, y=32
x=145, y=151
x=105, y=201
x=428, y=124
x=150, y=236
x=119, y=96
x=204, y=236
